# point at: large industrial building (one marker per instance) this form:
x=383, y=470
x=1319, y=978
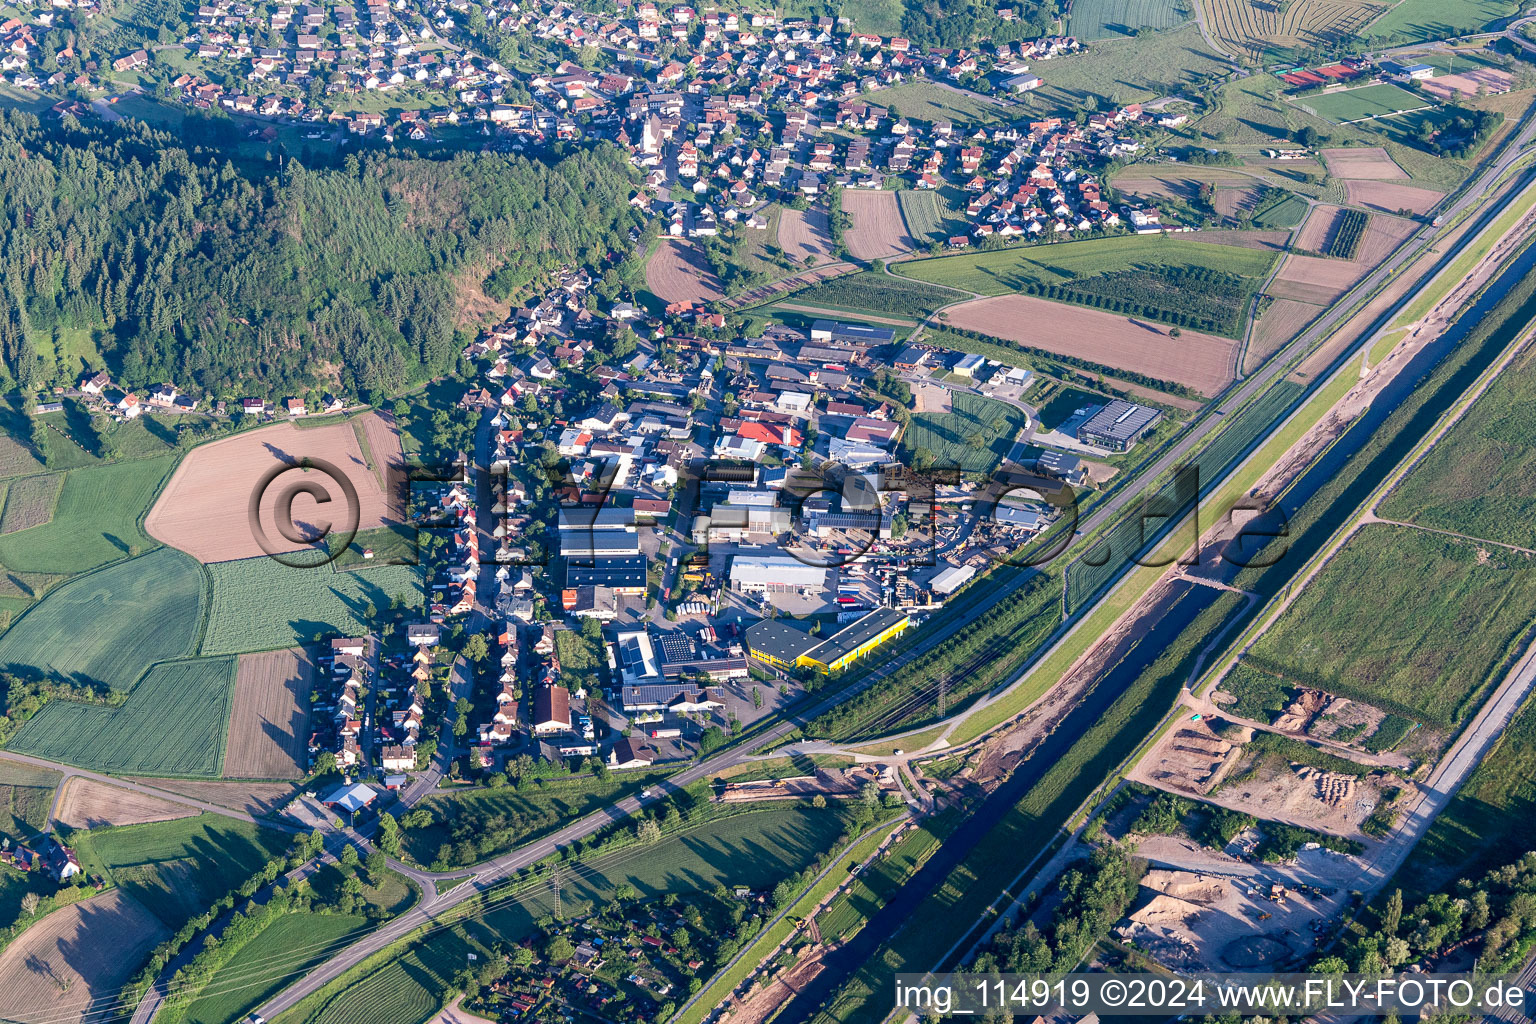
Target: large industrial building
x=775, y=575
x=787, y=647
x=1119, y=425
x=601, y=548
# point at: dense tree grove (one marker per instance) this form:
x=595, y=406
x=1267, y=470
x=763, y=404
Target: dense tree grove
x=224, y=280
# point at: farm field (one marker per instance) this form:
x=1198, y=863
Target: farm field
x=254, y=798
x=1257, y=30
x=755, y=848
x=29, y=501
x=1412, y=622
x=1121, y=71
x=804, y=234
x=931, y=101
x=876, y=230
x=259, y=605
x=204, y=510
x=95, y=521
x=87, y=803
x=677, y=272
x=1367, y=162
x=884, y=295
x=177, y=869
x=1477, y=480
x=934, y=215
x=1003, y=271
x=1321, y=280
x=1281, y=322
x=1270, y=241
x=26, y=793
x=1116, y=19
x=1367, y=101
x=1200, y=361
x=286, y=948
x=173, y=723
x=975, y=435
x=1414, y=20
x=75, y=957
x=112, y=624
x=1390, y=197
x=269, y=728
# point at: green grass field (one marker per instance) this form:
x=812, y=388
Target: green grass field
x=1414, y=20
x=846, y=914
x=930, y=101
x=26, y=794
x=1116, y=19
x=178, y=868
x=112, y=624
x=934, y=215
x=1413, y=622
x=96, y=520
x=1370, y=101
x=173, y=723
x=755, y=848
x=286, y=948
x=260, y=605
x=1003, y=271
x=1287, y=213
x=29, y=501
x=976, y=435
x=880, y=294
x=1114, y=72
x=1477, y=479
x=535, y=809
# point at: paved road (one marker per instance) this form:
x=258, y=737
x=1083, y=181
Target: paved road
x=492, y=872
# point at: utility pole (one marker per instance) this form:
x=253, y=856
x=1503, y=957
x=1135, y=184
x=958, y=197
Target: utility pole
x=556, y=876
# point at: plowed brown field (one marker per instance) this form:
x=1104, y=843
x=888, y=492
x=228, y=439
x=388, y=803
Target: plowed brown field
x=877, y=230
x=269, y=728
x=677, y=273
x=87, y=803
x=1201, y=361
x=805, y=233
x=204, y=510
x=71, y=965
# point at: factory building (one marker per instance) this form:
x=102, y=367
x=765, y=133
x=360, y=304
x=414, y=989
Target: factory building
x=787, y=647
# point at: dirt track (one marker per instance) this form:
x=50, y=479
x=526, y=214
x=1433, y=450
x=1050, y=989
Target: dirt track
x=1201, y=361
x=204, y=510
x=269, y=728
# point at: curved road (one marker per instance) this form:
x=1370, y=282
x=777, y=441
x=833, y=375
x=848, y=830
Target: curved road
x=492, y=872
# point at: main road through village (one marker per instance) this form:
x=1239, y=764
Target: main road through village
x=493, y=872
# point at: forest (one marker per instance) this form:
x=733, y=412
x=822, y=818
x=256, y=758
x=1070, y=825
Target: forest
x=187, y=268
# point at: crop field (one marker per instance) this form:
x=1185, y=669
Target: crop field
x=1390, y=197
x=1348, y=233
x=1005, y=271
x=881, y=294
x=178, y=868
x=260, y=605
x=1121, y=71
x=976, y=435
x=875, y=230
x=1258, y=29
x=172, y=724
x=76, y=959
x=86, y=803
x=204, y=509
x=1286, y=213
x=285, y=949
x=1477, y=478
x=934, y=215
x=114, y=623
x=29, y=502
x=930, y=101
x=1114, y=19
x=756, y=848
x=96, y=520
x=678, y=272
x=1415, y=623
x=1368, y=101
x=269, y=729
x=1415, y=20
x=1197, y=360
x=805, y=233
